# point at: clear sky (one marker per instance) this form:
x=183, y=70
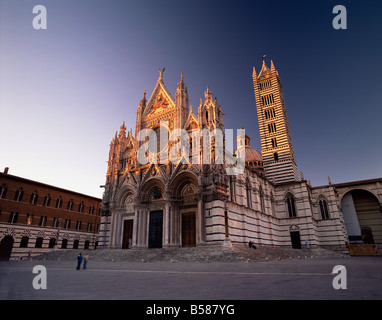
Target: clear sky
x=64, y=91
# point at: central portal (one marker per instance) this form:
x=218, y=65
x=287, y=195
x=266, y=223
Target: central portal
x=156, y=229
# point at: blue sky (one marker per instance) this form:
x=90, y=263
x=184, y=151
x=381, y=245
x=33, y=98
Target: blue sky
x=64, y=91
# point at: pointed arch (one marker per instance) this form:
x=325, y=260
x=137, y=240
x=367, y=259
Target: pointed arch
x=248, y=189
x=290, y=202
x=262, y=202
x=323, y=206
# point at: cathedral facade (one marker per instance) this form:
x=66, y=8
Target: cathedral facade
x=177, y=189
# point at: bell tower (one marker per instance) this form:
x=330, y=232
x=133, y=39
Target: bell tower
x=276, y=143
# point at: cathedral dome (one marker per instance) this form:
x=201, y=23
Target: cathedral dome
x=252, y=155
x=253, y=158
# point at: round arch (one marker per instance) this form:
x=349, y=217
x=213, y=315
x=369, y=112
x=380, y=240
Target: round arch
x=360, y=189
x=182, y=181
x=125, y=195
x=6, y=246
x=152, y=189
x=363, y=216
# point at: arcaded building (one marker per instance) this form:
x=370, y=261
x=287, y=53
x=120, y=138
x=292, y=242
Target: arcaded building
x=36, y=217
x=181, y=192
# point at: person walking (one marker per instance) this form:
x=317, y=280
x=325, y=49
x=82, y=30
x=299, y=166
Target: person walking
x=79, y=261
x=86, y=258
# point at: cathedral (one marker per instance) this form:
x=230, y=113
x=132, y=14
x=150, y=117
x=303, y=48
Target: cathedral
x=162, y=192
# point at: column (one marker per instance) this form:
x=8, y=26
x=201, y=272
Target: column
x=135, y=230
x=166, y=225
x=200, y=223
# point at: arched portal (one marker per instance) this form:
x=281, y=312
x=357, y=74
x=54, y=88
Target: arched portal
x=152, y=196
x=6, y=246
x=363, y=217
x=184, y=188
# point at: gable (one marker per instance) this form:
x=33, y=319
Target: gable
x=192, y=122
x=160, y=101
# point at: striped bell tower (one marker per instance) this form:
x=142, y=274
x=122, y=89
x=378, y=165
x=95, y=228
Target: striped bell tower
x=276, y=143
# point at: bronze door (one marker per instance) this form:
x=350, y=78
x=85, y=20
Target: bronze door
x=188, y=230
x=156, y=229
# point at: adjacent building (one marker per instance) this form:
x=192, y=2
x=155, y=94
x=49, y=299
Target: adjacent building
x=36, y=217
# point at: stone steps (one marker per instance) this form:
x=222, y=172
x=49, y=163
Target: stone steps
x=236, y=253
x=195, y=254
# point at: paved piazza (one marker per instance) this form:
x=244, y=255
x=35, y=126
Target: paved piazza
x=286, y=279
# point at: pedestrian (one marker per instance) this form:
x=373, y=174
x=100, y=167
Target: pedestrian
x=79, y=261
x=86, y=258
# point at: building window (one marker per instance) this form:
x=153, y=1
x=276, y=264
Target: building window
x=24, y=242
x=19, y=194
x=91, y=209
x=46, y=202
x=324, y=209
x=59, y=203
x=81, y=207
x=70, y=205
x=39, y=242
x=232, y=189
x=78, y=225
x=276, y=156
x=55, y=223
x=13, y=217
x=291, y=204
x=52, y=243
x=262, y=203
x=29, y=219
x=42, y=222
x=273, y=204
x=34, y=198
x=76, y=243
x=274, y=143
x=89, y=227
x=64, y=243
x=3, y=191
x=67, y=224
x=248, y=190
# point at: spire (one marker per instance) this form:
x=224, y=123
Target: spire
x=142, y=103
x=254, y=74
x=272, y=66
x=180, y=85
x=208, y=95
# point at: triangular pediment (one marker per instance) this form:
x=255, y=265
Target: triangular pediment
x=160, y=101
x=192, y=122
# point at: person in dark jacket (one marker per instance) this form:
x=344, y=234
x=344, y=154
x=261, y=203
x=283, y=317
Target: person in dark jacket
x=79, y=261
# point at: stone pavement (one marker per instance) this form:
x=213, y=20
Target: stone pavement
x=285, y=279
